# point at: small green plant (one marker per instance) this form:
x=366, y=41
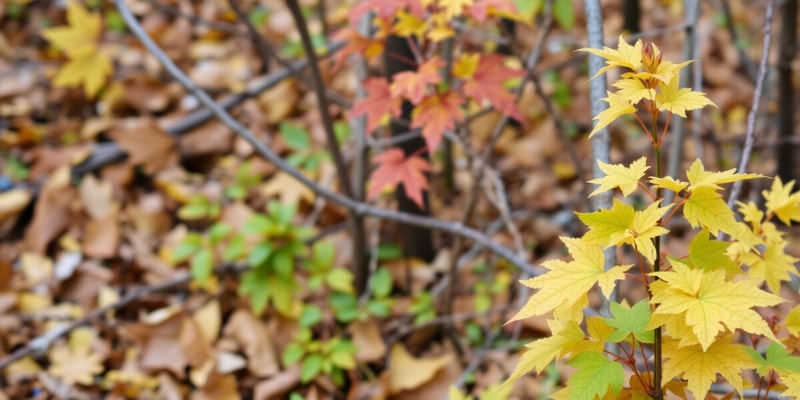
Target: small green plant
x=273, y=257
x=347, y=308
x=699, y=321
x=330, y=357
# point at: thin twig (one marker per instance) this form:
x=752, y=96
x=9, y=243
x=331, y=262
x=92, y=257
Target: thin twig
x=751, y=118
x=346, y=202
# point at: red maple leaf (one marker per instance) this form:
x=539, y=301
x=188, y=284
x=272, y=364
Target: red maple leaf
x=435, y=114
x=395, y=168
x=487, y=84
x=412, y=85
x=378, y=104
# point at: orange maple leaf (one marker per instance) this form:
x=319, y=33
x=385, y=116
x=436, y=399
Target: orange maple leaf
x=481, y=11
x=378, y=105
x=486, y=83
x=412, y=85
x=395, y=168
x=435, y=114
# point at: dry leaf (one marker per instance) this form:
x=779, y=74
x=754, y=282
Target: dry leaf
x=218, y=387
x=97, y=197
x=12, y=202
x=290, y=190
x=102, y=236
x=76, y=362
x=407, y=372
x=368, y=340
x=208, y=319
x=252, y=335
x=146, y=144
x=160, y=342
x=52, y=212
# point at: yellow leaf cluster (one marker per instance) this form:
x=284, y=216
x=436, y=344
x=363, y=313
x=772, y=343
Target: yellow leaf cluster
x=87, y=65
x=648, y=79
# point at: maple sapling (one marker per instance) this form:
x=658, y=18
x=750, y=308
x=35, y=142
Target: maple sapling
x=686, y=333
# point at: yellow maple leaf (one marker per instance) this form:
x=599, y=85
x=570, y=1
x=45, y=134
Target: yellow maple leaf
x=625, y=56
x=617, y=107
x=561, y=287
x=669, y=183
x=540, y=353
x=792, y=383
x=409, y=24
x=700, y=366
x=710, y=303
x=706, y=208
x=781, y=201
x=618, y=175
x=622, y=225
x=634, y=90
x=454, y=8
x=677, y=100
x=698, y=176
x=792, y=321
x=87, y=64
x=773, y=265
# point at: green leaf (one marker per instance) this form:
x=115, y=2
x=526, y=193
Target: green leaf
x=341, y=129
x=595, y=377
x=236, y=192
x=295, y=136
x=708, y=255
x=630, y=321
x=341, y=280
x=382, y=283
x=283, y=263
x=282, y=294
x=258, y=224
x=194, y=210
x=311, y=316
x=345, y=306
x=312, y=365
x=564, y=13
x=259, y=254
x=254, y=286
x=342, y=355
x=388, y=251
x=293, y=353
x=482, y=302
x=202, y=264
x=323, y=253
x=776, y=359
x=219, y=231
x=235, y=248
x=528, y=8
x=378, y=308
x=283, y=214
x=189, y=245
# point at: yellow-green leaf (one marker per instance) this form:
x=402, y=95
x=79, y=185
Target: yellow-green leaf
x=706, y=208
x=620, y=176
x=699, y=177
x=539, y=354
x=634, y=90
x=617, y=107
x=563, y=285
x=711, y=304
x=668, y=183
